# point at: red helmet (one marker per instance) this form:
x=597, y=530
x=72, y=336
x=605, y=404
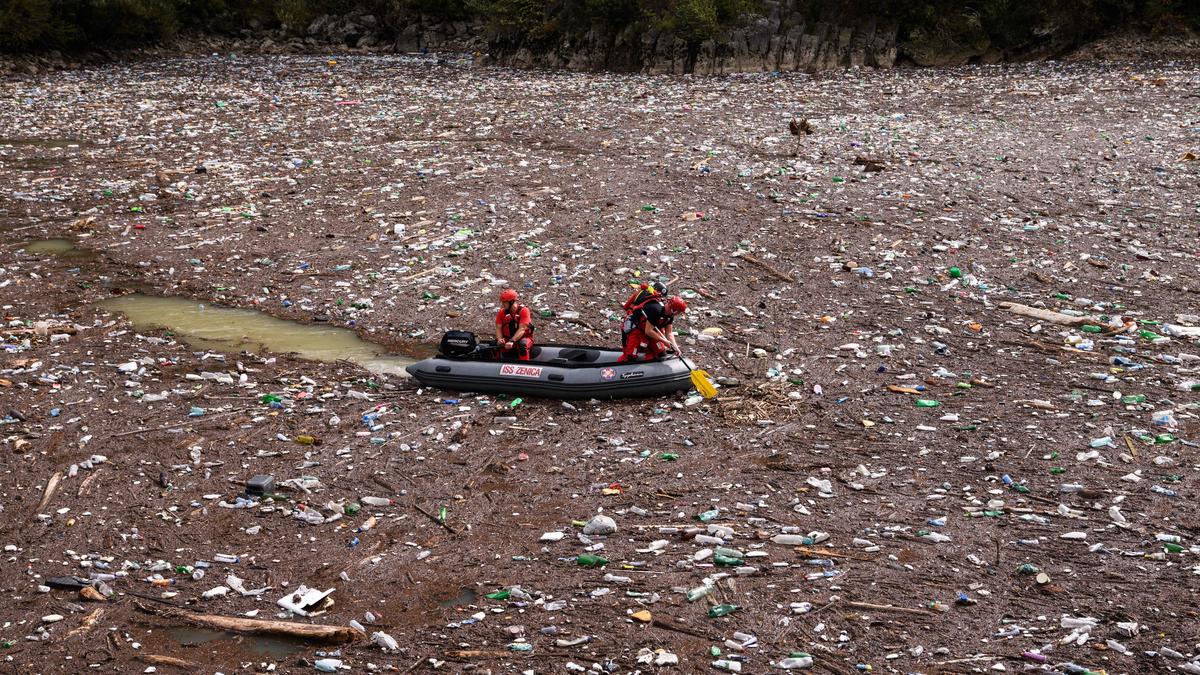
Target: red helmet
x=676, y=305
x=508, y=295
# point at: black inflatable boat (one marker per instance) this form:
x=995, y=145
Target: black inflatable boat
x=552, y=371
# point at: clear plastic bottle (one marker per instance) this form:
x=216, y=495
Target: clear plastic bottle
x=698, y=592
x=800, y=661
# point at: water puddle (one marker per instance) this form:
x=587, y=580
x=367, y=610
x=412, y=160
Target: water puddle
x=228, y=329
x=466, y=596
x=62, y=248
x=265, y=647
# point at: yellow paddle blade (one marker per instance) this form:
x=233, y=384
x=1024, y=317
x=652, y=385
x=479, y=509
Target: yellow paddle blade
x=703, y=384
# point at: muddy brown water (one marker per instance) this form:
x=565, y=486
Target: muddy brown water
x=227, y=329
x=62, y=248
x=465, y=596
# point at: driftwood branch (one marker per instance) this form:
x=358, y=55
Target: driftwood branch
x=671, y=625
x=51, y=488
x=176, y=425
x=771, y=269
x=435, y=519
x=889, y=608
x=1050, y=316
x=160, y=660
x=301, y=631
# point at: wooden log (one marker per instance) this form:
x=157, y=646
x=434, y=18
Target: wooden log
x=303, y=631
x=1049, y=316
x=88, y=622
x=51, y=488
x=772, y=270
x=160, y=660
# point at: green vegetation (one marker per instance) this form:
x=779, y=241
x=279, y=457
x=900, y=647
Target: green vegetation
x=926, y=26
x=1015, y=26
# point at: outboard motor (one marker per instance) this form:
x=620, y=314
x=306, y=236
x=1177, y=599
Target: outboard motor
x=457, y=343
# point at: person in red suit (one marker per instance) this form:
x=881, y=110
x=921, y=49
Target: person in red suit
x=514, y=327
x=650, y=325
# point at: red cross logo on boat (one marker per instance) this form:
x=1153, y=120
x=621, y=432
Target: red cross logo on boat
x=608, y=373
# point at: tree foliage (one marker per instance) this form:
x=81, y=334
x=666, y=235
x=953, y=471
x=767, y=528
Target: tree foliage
x=1006, y=25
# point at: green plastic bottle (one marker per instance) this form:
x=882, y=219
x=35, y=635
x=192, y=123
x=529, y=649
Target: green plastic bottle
x=927, y=403
x=722, y=610
x=589, y=560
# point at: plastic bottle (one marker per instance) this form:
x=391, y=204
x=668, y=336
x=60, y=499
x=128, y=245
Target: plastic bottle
x=376, y=501
x=801, y=661
x=698, y=592
x=305, y=439
x=589, y=560
x=385, y=641
x=1164, y=418
x=927, y=403
x=722, y=610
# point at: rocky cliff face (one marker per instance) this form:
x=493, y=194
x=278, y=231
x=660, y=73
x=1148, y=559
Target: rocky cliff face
x=767, y=44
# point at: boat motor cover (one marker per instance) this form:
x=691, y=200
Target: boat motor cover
x=457, y=343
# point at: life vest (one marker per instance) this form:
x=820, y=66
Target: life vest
x=633, y=321
x=644, y=294
x=512, y=322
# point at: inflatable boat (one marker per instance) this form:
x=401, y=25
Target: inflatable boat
x=552, y=371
